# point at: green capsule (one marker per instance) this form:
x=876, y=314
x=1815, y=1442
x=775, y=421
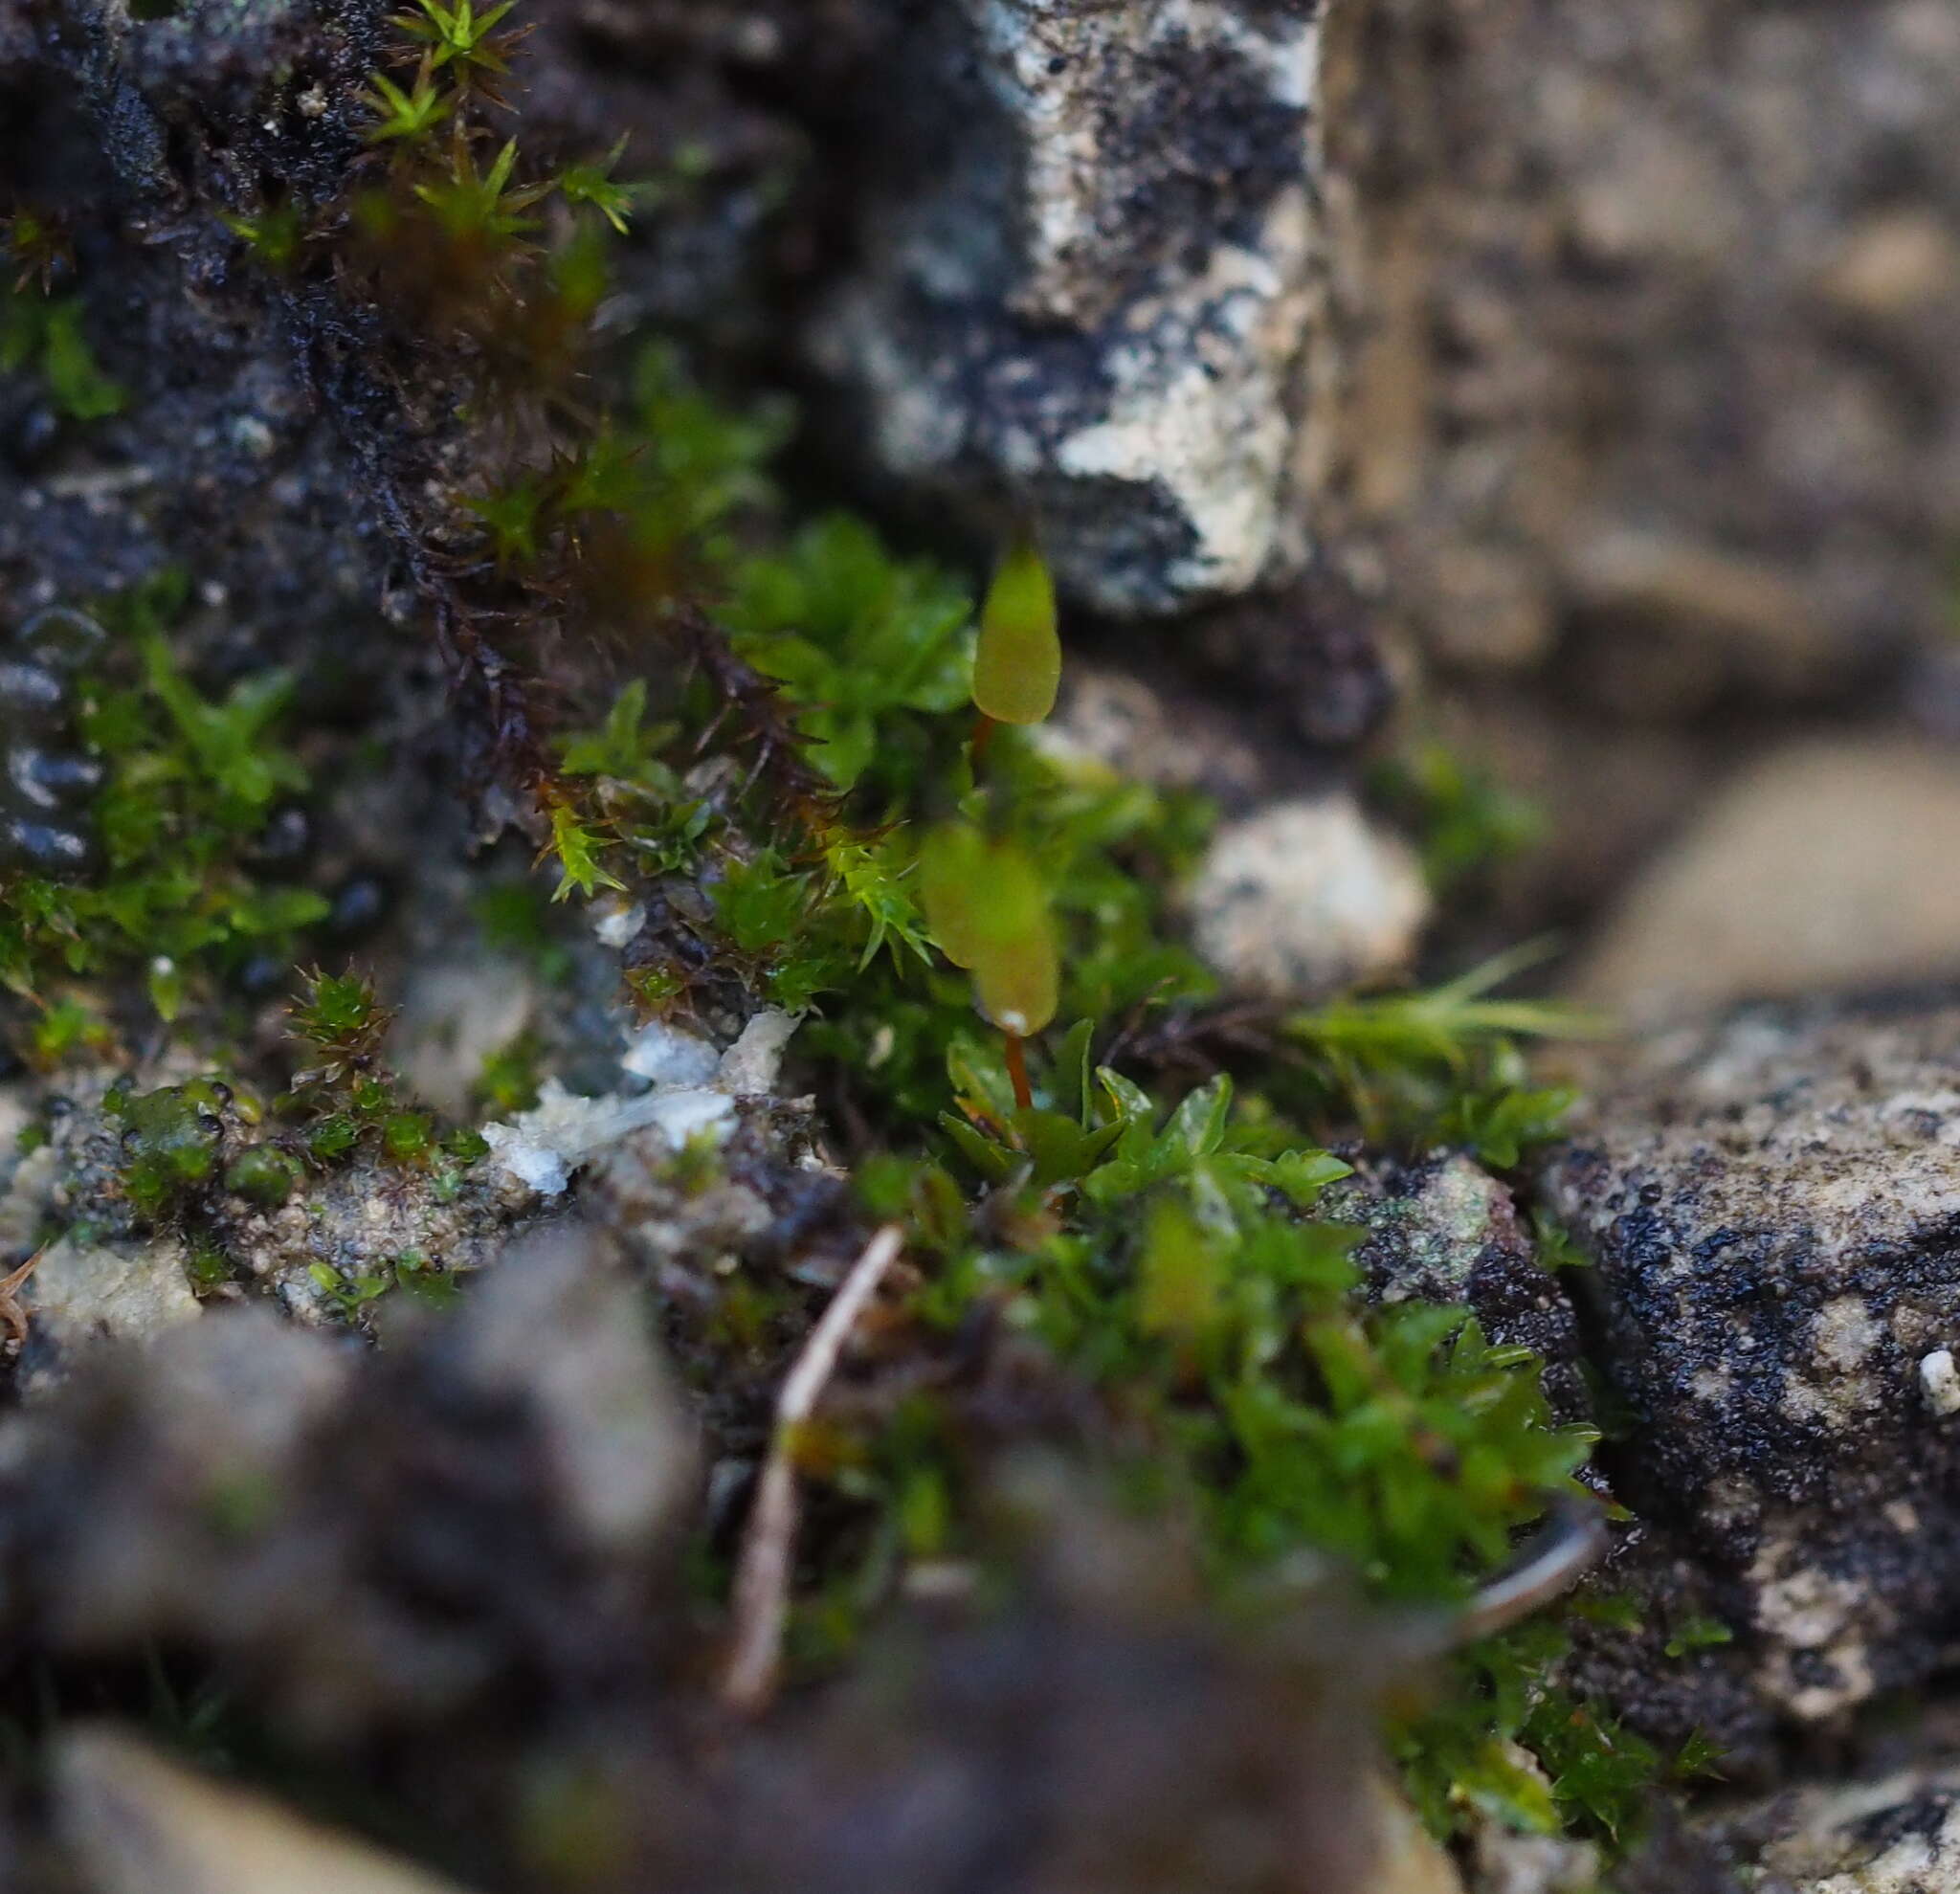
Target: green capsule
x=988, y=910
x=953, y=870
x=1017, y=666
x=1018, y=971
x=1018, y=983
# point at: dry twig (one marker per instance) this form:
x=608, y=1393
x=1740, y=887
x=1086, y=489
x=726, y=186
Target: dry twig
x=769, y=1544
x=13, y=1315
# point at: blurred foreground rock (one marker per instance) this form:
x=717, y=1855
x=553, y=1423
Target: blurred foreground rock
x=368, y=1538
x=1773, y=1202
x=1823, y=867
x=135, y=1823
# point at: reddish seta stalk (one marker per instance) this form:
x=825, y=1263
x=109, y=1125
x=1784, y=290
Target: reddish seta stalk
x=1017, y=1071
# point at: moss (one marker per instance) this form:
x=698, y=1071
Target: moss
x=44, y=335
x=264, y=1175
x=762, y=779
x=190, y=782
x=172, y=1139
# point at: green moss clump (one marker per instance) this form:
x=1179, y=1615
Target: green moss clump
x=190, y=783
x=172, y=1140
x=264, y=1175
x=44, y=335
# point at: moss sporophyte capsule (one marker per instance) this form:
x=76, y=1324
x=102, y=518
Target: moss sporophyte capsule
x=1018, y=663
x=988, y=912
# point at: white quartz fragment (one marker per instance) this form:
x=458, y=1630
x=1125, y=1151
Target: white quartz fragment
x=1939, y=1381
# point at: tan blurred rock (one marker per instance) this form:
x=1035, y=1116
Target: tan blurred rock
x=1408, y=1859
x=1824, y=865
x=1304, y=897
x=131, y=1290
x=1749, y=609
x=137, y=1824
x=1892, y=264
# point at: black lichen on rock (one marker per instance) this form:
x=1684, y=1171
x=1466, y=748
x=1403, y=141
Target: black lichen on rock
x=1773, y=1202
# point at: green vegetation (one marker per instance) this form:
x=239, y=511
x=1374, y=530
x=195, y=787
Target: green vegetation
x=977, y=929
x=1469, y=822
x=190, y=782
x=1017, y=667
x=44, y=335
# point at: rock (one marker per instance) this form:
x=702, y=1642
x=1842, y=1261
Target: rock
x=1656, y=1652
x=1628, y=277
x=479, y=1513
x=454, y=1015
x=572, y=1341
x=1826, y=864
x=1308, y=657
x=1099, y=1732
x=1442, y=1229
x=1153, y=730
x=1504, y=1861
x=1898, y=1835
x=84, y=1292
x=1689, y=593
x=1304, y=897
x=1407, y=1858
x=136, y=1823
x=1091, y=276
x=1772, y=1201
x=1891, y=265
x=562, y=1133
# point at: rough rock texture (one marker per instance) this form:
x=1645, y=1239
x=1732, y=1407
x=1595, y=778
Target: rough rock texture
x=112, y=1272
x=1657, y=333
x=1092, y=268
x=1825, y=866
x=86, y=1292
x=1442, y=1229
x=220, y=453
x=366, y=1537
x=1773, y=1202
x=1898, y=1835
x=1305, y=897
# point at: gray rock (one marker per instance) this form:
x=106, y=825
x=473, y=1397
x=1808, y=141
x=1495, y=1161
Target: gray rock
x=1444, y=1230
x=363, y=1536
x=1305, y=897
x=83, y=1292
x=1646, y=372
x=1898, y=1835
x=1119, y=720
x=1091, y=273
x=1772, y=1203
